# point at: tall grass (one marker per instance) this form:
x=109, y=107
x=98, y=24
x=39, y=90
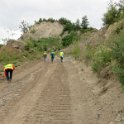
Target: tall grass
x=70, y=39
x=101, y=58
x=118, y=55
x=41, y=44
x=111, y=54
x=10, y=55
x=76, y=51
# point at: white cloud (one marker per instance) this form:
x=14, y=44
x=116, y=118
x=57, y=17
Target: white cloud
x=8, y=34
x=12, y=12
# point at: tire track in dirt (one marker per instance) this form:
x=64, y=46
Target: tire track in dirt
x=61, y=93
x=48, y=102
x=54, y=104
x=83, y=101
x=13, y=92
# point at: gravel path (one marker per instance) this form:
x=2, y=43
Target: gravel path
x=60, y=93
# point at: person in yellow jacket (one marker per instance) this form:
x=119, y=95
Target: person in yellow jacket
x=45, y=56
x=8, y=71
x=61, y=54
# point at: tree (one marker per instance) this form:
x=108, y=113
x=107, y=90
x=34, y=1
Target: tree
x=51, y=20
x=111, y=15
x=85, y=23
x=64, y=21
x=44, y=20
x=121, y=9
x=68, y=25
x=121, y=4
x=40, y=20
x=24, y=26
x=69, y=39
x=78, y=25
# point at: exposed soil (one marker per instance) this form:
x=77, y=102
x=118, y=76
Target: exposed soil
x=60, y=93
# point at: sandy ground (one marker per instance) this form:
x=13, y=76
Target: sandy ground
x=60, y=93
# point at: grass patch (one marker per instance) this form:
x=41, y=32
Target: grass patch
x=101, y=58
x=43, y=43
x=76, y=51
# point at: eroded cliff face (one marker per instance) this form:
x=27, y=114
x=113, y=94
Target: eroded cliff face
x=43, y=30
x=106, y=32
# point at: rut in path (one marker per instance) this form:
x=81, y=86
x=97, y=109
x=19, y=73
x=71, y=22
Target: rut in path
x=60, y=93
x=53, y=106
x=47, y=102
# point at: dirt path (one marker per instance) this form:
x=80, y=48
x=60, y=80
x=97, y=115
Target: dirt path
x=60, y=93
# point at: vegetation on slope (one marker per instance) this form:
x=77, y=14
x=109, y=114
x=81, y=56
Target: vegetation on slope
x=114, y=13
x=104, y=50
x=34, y=48
x=106, y=58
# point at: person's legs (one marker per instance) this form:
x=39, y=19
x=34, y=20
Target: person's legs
x=7, y=74
x=52, y=58
x=61, y=59
x=45, y=56
x=10, y=72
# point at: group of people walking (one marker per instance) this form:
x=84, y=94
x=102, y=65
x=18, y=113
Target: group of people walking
x=9, y=68
x=52, y=55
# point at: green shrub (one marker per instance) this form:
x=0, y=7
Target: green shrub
x=119, y=71
x=114, y=13
x=111, y=15
x=33, y=31
x=43, y=43
x=10, y=56
x=64, y=21
x=88, y=53
x=1, y=45
x=51, y=20
x=118, y=49
x=76, y=52
x=69, y=39
x=68, y=25
x=101, y=58
x=118, y=56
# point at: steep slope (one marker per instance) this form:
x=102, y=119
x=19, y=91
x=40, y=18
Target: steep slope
x=43, y=30
x=61, y=93
x=106, y=33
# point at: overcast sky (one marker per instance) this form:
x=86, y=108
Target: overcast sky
x=12, y=12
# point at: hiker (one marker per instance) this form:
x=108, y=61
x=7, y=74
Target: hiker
x=8, y=71
x=45, y=55
x=52, y=54
x=61, y=54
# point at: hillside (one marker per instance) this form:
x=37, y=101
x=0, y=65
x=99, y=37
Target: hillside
x=47, y=33
x=43, y=30
x=84, y=89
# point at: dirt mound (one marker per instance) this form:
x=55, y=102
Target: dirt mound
x=15, y=44
x=105, y=33
x=43, y=30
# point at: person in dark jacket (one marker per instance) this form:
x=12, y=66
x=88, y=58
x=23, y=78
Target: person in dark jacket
x=52, y=54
